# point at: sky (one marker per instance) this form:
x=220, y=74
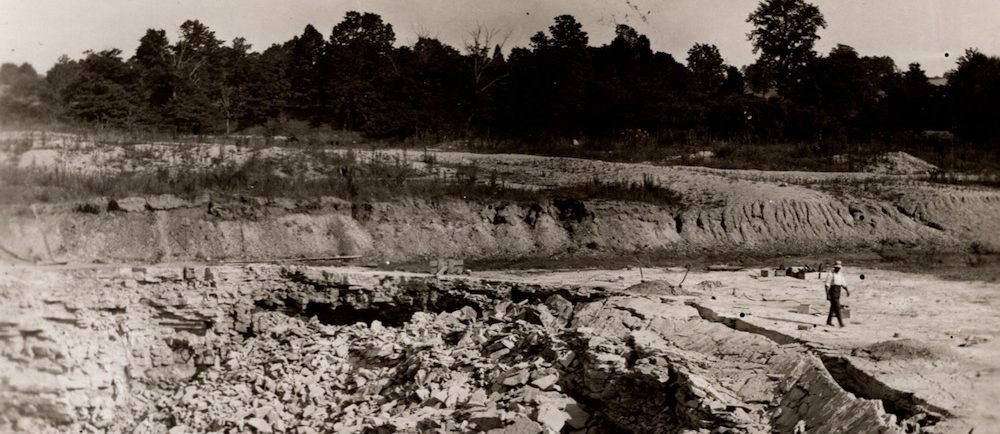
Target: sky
x=931, y=32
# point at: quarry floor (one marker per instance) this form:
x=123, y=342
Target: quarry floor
x=956, y=323
x=919, y=337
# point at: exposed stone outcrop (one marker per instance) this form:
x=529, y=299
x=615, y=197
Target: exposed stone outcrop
x=300, y=349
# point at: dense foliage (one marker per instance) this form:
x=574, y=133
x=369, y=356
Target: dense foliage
x=561, y=85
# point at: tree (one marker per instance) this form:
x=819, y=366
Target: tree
x=364, y=33
x=427, y=94
x=566, y=34
x=196, y=72
x=735, y=82
x=845, y=83
x=707, y=67
x=974, y=88
x=104, y=90
x=232, y=81
x=60, y=76
x=621, y=81
x=155, y=64
x=267, y=86
x=913, y=100
x=358, y=63
x=305, y=75
x=22, y=93
x=556, y=75
x=154, y=50
x=784, y=34
x=487, y=72
x=627, y=39
x=195, y=50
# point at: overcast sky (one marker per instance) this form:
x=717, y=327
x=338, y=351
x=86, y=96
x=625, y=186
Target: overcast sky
x=39, y=31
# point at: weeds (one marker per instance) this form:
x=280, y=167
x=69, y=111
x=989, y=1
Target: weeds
x=380, y=177
x=671, y=147
x=430, y=160
x=982, y=180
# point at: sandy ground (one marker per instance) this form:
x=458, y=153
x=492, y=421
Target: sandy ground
x=951, y=319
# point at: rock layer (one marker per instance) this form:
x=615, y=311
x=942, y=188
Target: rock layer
x=158, y=228
x=301, y=350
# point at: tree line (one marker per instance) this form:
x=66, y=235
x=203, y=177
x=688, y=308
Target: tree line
x=561, y=85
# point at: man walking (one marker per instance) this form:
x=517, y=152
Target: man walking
x=834, y=283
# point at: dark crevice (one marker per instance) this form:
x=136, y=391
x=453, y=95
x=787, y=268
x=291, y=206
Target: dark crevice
x=911, y=412
x=907, y=407
x=534, y=213
x=743, y=326
x=571, y=210
x=392, y=313
x=389, y=315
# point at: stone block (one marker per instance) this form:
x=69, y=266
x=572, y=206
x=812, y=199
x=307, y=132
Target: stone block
x=189, y=274
x=128, y=204
x=165, y=202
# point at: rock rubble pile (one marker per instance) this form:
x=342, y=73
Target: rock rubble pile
x=440, y=372
x=297, y=350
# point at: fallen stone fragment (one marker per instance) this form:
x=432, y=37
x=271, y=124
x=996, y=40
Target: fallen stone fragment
x=551, y=417
x=567, y=358
x=496, y=355
x=521, y=425
x=466, y=313
x=545, y=382
x=517, y=378
x=578, y=417
x=486, y=419
x=560, y=307
x=259, y=424
x=165, y=202
x=127, y=204
x=477, y=398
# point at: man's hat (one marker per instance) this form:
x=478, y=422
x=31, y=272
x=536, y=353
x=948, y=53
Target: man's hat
x=838, y=264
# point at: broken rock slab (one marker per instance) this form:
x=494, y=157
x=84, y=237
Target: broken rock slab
x=516, y=378
x=551, y=417
x=128, y=204
x=546, y=382
x=163, y=202
x=521, y=425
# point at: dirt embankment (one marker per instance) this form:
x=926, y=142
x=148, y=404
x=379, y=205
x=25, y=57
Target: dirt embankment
x=168, y=229
x=720, y=211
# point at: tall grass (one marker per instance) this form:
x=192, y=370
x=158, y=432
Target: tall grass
x=377, y=177
x=675, y=147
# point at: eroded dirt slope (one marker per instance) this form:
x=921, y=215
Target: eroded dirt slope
x=411, y=230
x=768, y=213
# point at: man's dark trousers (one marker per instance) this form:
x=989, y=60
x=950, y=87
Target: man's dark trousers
x=834, y=295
